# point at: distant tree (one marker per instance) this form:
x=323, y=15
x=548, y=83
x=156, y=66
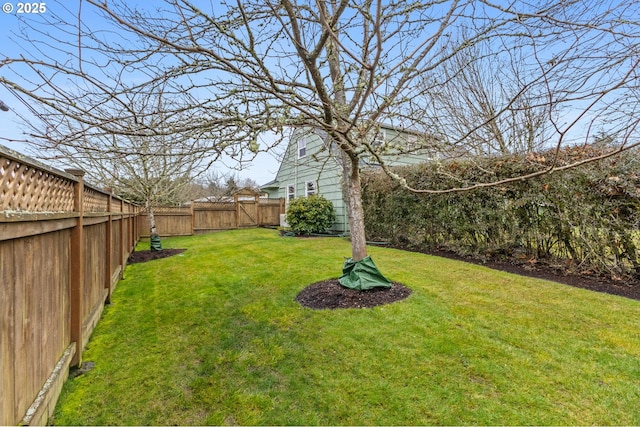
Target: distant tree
x=218, y=184
x=249, y=183
x=154, y=170
x=231, y=186
x=603, y=139
x=474, y=86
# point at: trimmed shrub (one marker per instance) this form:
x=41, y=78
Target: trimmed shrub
x=585, y=219
x=313, y=214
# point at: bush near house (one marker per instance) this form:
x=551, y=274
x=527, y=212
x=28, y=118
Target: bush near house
x=586, y=218
x=313, y=214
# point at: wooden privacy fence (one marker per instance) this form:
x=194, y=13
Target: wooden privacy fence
x=63, y=247
x=246, y=210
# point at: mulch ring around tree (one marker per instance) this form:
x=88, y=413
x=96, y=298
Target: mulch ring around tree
x=330, y=294
x=144, y=256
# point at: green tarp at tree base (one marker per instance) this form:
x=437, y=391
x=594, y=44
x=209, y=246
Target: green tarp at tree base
x=155, y=244
x=362, y=275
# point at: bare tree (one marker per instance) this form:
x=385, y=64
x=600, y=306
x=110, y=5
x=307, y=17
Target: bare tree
x=155, y=170
x=219, y=186
x=345, y=68
x=484, y=100
x=152, y=176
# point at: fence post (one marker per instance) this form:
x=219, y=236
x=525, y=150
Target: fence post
x=132, y=230
x=77, y=267
x=136, y=226
x=109, y=248
x=121, y=249
x=193, y=217
x=235, y=200
x=258, y=216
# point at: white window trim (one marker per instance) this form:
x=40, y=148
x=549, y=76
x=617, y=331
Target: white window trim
x=291, y=195
x=306, y=188
x=413, y=143
x=302, y=145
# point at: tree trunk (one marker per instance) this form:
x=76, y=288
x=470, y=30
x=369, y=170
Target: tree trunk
x=154, y=238
x=153, y=231
x=352, y=192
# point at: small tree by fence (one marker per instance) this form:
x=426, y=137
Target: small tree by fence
x=63, y=248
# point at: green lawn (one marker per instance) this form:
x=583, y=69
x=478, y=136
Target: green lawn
x=214, y=336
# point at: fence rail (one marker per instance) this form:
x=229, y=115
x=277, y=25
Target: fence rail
x=63, y=247
x=204, y=217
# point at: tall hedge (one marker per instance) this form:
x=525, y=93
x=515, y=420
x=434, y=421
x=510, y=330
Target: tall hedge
x=586, y=219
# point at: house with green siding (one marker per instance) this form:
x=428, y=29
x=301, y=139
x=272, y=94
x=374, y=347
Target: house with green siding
x=311, y=165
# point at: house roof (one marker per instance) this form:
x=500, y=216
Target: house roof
x=274, y=184
x=271, y=184
x=246, y=191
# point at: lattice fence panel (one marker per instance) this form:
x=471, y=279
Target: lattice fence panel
x=223, y=206
x=171, y=210
x=269, y=202
x=95, y=201
x=29, y=189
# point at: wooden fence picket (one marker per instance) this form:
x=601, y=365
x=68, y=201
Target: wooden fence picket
x=63, y=247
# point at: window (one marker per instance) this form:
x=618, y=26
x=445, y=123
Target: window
x=291, y=192
x=413, y=143
x=311, y=188
x=302, y=147
x=379, y=140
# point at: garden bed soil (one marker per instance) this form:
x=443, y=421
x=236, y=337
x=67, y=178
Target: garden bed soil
x=625, y=287
x=148, y=255
x=331, y=295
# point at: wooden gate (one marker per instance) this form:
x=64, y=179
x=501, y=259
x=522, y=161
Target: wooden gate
x=245, y=210
x=247, y=213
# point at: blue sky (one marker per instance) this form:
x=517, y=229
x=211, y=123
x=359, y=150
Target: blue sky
x=12, y=124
